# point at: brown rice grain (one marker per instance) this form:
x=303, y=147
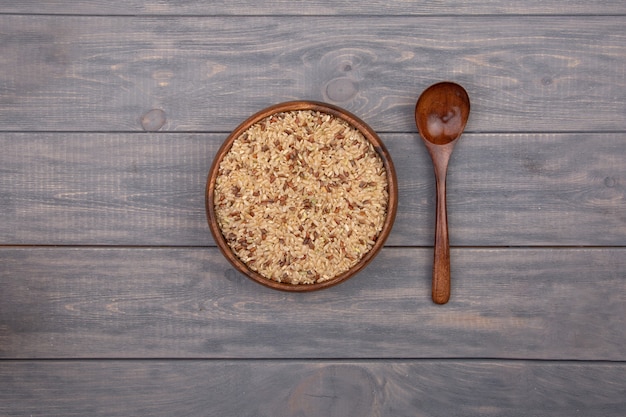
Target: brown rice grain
x=295, y=210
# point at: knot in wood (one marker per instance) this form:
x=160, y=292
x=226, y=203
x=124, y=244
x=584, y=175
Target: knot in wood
x=153, y=120
x=341, y=89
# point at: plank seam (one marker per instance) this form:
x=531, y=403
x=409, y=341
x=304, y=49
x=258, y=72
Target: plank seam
x=351, y=15
x=331, y=360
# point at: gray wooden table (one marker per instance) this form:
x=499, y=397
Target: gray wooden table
x=114, y=300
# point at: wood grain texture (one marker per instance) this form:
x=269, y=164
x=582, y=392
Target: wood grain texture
x=523, y=73
x=189, y=303
x=148, y=190
x=312, y=389
x=136, y=313
x=314, y=7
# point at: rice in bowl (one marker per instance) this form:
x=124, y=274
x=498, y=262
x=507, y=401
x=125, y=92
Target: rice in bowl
x=301, y=196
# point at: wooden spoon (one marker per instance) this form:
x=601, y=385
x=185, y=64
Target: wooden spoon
x=441, y=114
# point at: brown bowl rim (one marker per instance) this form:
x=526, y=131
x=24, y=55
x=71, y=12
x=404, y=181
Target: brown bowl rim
x=300, y=105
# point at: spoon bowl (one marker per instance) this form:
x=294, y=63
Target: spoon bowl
x=441, y=114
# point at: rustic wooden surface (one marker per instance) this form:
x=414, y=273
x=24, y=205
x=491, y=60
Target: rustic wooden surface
x=114, y=299
x=366, y=388
x=523, y=73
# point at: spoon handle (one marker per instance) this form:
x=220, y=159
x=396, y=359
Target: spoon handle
x=441, y=263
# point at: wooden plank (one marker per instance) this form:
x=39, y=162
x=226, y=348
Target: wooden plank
x=105, y=189
x=325, y=389
x=523, y=73
x=189, y=303
x=148, y=189
x=314, y=7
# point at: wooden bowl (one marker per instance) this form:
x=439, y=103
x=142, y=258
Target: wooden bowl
x=354, y=122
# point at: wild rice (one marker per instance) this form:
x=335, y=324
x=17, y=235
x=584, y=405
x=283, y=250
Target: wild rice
x=301, y=196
